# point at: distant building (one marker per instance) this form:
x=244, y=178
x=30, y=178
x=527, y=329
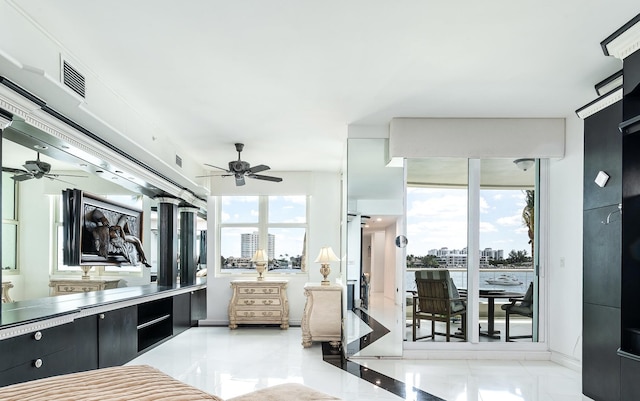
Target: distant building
x=458, y=257
x=250, y=243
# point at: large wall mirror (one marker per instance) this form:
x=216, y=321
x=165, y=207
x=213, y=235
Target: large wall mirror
x=32, y=223
x=375, y=209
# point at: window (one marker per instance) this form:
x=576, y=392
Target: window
x=277, y=224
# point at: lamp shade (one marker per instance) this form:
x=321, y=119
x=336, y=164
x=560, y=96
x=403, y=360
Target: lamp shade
x=326, y=255
x=260, y=256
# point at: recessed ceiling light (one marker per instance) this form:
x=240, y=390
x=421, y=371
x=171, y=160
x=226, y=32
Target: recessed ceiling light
x=99, y=171
x=378, y=219
x=41, y=147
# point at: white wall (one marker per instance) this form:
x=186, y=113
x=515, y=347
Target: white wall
x=378, y=261
x=324, y=229
x=565, y=282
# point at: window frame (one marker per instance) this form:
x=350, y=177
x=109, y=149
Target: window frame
x=13, y=222
x=263, y=226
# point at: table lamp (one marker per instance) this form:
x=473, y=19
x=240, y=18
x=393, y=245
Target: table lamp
x=324, y=258
x=260, y=259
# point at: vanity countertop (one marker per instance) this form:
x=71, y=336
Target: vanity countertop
x=30, y=311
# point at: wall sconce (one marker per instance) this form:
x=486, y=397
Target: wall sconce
x=325, y=257
x=524, y=164
x=260, y=259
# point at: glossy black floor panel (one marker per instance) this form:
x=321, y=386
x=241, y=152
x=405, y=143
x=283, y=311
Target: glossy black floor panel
x=336, y=357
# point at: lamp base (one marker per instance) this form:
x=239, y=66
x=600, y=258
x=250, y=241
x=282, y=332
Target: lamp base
x=260, y=269
x=85, y=272
x=325, y=270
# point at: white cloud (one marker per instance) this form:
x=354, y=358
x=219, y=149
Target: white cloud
x=510, y=221
x=484, y=206
x=486, y=227
x=225, y=216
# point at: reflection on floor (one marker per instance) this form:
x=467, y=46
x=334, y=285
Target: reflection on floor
x=229, y=363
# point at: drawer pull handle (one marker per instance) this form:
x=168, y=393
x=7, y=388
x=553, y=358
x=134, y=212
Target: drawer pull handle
x=249, y=301
x=102, y=316
x=267, y=313
x=37, y=336
x=267, y=301
x=37, y=363
x=267, y=290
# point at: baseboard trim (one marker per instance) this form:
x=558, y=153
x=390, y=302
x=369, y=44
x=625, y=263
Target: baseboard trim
x=566, y=361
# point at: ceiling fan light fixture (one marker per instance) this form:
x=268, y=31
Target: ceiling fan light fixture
x=525, y=163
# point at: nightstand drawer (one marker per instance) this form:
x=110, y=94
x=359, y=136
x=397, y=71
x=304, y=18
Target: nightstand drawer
x=258, y=302
x=259, y=291
x=258, y=314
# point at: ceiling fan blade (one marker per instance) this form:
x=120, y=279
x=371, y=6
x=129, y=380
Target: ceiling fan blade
x=239, y=180
x=14, y=170
x=265, y=177
x=211, y=165
x=54, y=177
x=22, y=177
x=221, y=174
x=258, y=168
x=64, y=175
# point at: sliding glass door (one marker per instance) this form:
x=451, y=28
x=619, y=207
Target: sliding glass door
x=476, y=220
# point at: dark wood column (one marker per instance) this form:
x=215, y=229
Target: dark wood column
x=168, y=241
x=188, y=256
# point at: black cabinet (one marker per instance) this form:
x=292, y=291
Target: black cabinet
x=117, y=336
x=601, y=256
x=155, y=322
x=602, y=245
x=198, y=306
x=188, y=308
x=38, y=354
x=181, y=313
x=86, y=343
x=601, y=363
x=110, y=338
x=630, y=372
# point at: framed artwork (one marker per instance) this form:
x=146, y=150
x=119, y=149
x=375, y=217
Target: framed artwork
x=100, y=232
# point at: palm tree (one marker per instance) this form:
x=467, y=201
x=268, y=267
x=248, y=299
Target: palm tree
x=528, y=216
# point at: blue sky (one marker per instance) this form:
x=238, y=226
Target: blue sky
x=437, y=218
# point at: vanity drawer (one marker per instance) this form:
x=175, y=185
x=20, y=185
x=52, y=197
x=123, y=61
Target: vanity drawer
x=56, y=363
x=31, y=346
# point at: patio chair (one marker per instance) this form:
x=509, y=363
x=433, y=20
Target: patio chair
x=519, y=306
x=437, y=300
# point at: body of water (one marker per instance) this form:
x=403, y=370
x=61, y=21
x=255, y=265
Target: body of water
x=460, y=279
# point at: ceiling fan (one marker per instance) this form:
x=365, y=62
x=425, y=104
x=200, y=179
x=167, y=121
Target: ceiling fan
x=36, y=169
x=241, y=169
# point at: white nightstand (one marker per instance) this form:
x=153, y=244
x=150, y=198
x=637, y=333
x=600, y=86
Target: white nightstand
x=322, y=318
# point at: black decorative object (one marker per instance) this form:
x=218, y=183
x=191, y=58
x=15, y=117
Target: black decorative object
x=100, y=232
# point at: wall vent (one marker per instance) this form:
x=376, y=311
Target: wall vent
x=73, y=79
x=179, y=161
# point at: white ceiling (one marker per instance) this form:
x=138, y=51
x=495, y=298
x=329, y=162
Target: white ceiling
x=288, y=77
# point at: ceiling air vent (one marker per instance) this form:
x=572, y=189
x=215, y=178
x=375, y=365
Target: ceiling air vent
x=73, y=79
x=179, y=161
